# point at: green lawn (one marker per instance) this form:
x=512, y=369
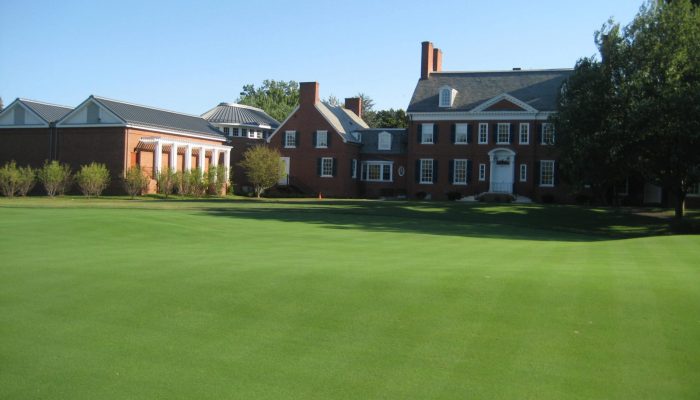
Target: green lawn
x=224, y=299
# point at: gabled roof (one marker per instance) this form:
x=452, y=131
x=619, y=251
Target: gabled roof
x=343, y=120
x=48, y=112
x=239, y=114
x=135, y=115
x=45, y=111
x=537, y=88
x=370, y=140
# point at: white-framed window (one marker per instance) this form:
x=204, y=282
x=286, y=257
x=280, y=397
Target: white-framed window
x=290, y=139
x=524, y=136
x=459, y=173
x=354, y=168
x=244, y=132
x=377, y=171
x=227, y=131
x=547, y=173
x=427, y=134
x=547, y=133
x=236, y=132
x=446, y=97
x=503, y=136
x=482, y=172
x=252, y=134
x=426, y=170
x=523, y=172
x=384, y=141
x=483, y=133
x=321, y=139
x=326, y=167
x=461, y=133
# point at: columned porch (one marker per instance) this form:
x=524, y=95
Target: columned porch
x=179, y=155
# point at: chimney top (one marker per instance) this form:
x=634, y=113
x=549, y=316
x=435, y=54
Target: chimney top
x=426, y=60
x=308, y=93
x=517, y=69
x=354, y=104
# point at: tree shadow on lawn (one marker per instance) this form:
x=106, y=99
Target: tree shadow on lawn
x=520, y=222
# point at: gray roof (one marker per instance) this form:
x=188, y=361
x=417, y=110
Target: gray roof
x=537, y=88
x=48, y=112
x=343, y=120
x=231, y=113
x=370, y=140
x=160, y=119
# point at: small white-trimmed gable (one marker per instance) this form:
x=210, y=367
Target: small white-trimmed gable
x=90, y=112
x=446, y=96
x=19, y=115
x=505, y=97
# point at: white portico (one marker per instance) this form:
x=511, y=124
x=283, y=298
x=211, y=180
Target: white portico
x=188, y=149
x=502, y=171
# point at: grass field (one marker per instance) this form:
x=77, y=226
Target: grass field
x=223, y=299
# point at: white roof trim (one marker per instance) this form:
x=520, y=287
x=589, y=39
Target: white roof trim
x=480, y=116
x=20, y=103
x=166, y=141
x=282, y=124
x=504, y=96
x=60, y=123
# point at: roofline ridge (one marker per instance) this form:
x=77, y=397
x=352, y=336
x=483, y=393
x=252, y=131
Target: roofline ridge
x=504, y=70
x=240, y=105
x=145, y=106
x=45, y=103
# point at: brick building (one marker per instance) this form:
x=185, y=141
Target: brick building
x=114, y=133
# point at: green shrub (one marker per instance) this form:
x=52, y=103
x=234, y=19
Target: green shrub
x=198, y=184
x=216, y=180
x=183, y=182
x=166, y=181
x=136, y=181
x=9, y=179
x=55, y=177
x=27, y=180
x=93, y=179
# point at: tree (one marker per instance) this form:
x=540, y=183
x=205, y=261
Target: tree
x=368, y=113
x=277, y=98
x=135, y=181
x=55, y=177
x=638, y=108
x=264, y=167
x=92, y=179
x=390, y=119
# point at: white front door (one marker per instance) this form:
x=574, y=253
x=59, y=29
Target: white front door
x=502, y=171
x=284, y=180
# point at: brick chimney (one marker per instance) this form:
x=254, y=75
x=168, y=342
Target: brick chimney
x=426, y=60
x=437, y=60
x=308, y=93
x=354, y=104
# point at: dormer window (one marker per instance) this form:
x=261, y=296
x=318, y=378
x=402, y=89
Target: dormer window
x=447, y=96
x=384, y=142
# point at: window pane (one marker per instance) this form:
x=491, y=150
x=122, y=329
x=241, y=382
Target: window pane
x=426, y=171
x=460, y=171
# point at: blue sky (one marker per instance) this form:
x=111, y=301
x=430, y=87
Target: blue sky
x=190, y=55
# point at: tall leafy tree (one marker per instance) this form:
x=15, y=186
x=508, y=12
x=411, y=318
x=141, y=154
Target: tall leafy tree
x=637, y=110
x=390, y=119
x=277, y=98
x=263, y=166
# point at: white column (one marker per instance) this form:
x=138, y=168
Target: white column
x=202, y=155
x=214, y=157
x=188, y=158
x=173, y=157
x=157, y=157
x=227, y=163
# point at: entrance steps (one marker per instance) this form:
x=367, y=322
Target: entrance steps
x=496, y=197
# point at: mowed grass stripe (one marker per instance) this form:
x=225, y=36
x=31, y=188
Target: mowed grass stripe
x=223, y=299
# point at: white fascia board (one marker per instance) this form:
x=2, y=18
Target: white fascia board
x=480, y=116
x=504, y=96
x=173, y=132
x=282, y=124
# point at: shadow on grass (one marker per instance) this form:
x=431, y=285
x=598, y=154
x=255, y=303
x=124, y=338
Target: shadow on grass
x=520, y=222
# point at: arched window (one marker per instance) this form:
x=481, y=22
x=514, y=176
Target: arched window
x=384, y=142
x=447, y=95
